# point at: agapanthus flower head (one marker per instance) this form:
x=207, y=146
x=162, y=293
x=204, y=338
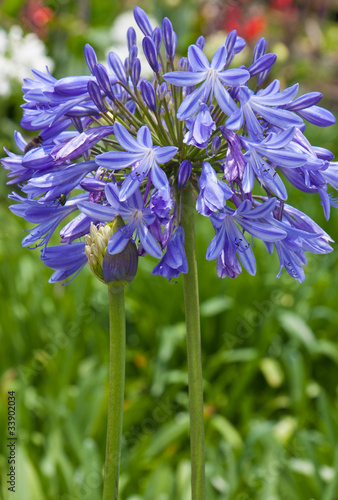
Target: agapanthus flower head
x=114, y=146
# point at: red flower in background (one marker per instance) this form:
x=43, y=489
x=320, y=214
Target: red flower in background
x=248, y=27
x=37, y=15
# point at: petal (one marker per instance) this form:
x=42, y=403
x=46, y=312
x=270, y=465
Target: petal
x=277, y=116
x=248, y=179
x=197, y=58
x=97, y=212
x=144, y=137
x=164, y=154
x=284, y=157
x=265, y=232
x=280, y=140
x=118, y=159
x=148, y=241
x=191, y=104
x=225, y=101
x=220, y=58
x=158, y=177
x=130, y=184
x=234, y=77
x=119, y=240
x=278, y=99
x=126, y=140
x=184, y=78
x=216, y=245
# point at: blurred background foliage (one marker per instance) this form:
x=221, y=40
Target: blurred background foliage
x=270, y=352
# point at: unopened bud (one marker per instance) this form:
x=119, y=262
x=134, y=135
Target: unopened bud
x=118, y=269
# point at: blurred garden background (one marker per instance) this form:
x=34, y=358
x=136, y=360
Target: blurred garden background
x=270, y=346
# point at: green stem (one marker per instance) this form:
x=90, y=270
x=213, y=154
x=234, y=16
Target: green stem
x=192, y=318
x=116, y=391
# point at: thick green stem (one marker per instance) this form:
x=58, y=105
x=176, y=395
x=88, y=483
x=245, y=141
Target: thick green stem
x=192, y=318
x=116, y=391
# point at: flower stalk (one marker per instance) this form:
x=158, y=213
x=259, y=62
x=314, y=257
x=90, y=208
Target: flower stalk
x=192, y=318
x=116, y=391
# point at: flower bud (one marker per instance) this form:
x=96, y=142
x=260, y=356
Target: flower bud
x=142, y=21
x=183, y=64
x=200, y=42
x=135, y=71
x=131, y=37
x=148, y=94
x=157, y=38
x=118, y=269
x=150, y=53
x=90, y=57
x=162, y=91
x=184, y=173
x=215, y=144
x=95, y=94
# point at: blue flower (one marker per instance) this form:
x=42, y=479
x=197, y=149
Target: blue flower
x=174, y=261
x=141, y=153
x=200, y=127
x=266, y=104
x=213, y=192
x=264, y=155
x=230, y=244
x=132, y=211
x=213, y=77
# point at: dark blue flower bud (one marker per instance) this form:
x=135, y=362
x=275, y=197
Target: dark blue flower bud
x=183, y=64
x=148, y=94
x=131, y=37
x=142, y=21
x=133, y=52
x=260, y=49
x=200, y=42
x=261, y=64
x=184, y=173
x=135, y=70
x=95, y=94
x=157, y=38
x=127, y=65
x=118, y=269
x=169, y=38
x=103, y=80
x=77, y=123
x=117, y=67
x=150, y=53
x=90, y=57
x=215, y=145
x=162, y=90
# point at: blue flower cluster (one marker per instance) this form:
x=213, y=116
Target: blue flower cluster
x=112, y=143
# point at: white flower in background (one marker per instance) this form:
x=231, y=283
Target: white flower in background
x=18, y=54
x=118, y=36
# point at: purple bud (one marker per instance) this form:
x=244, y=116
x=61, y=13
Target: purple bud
x=260, y=49
x=77, y=123
x=90, y=57
x=215, y=145
x=162, y=90
x=157, y=38
x=184, y=173
x=117, y=67
x=169, y=38
x=142, y=21
x=135, y=70
x=103, y=80
x=150, y=52
x=304, y=101
x=148, y=94
x=200, y=42
x=95, y=94
x=127, y=65
x=133, y=52
x=183, y=64
x=131, y=37
x=261, y=64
